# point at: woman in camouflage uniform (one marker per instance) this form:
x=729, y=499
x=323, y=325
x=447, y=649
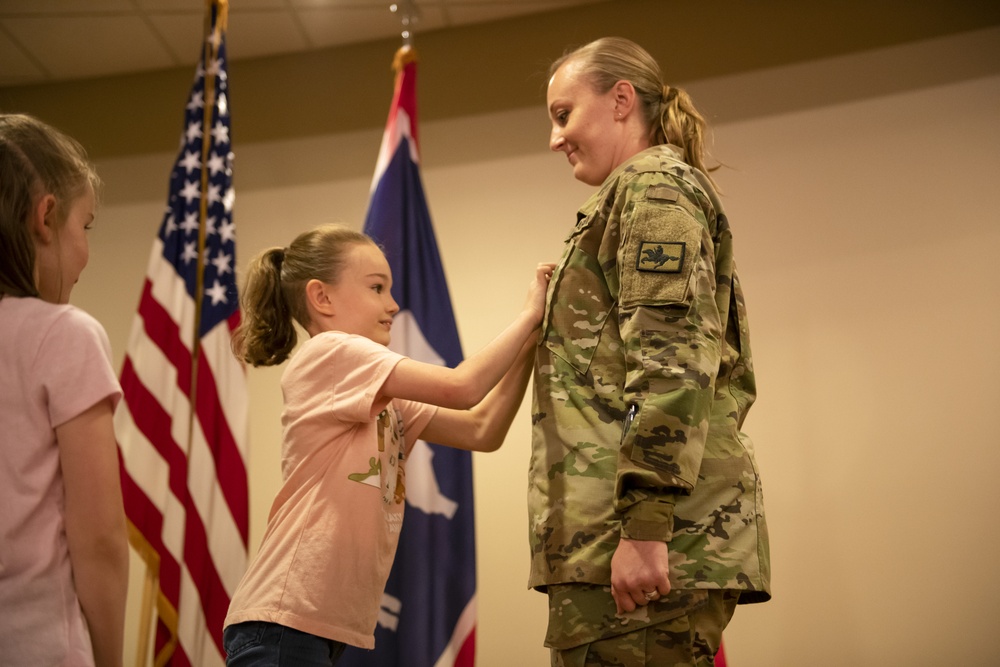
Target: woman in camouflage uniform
x=646, y=520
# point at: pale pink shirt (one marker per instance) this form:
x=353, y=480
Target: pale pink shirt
x=55, y=363
x=333, y=528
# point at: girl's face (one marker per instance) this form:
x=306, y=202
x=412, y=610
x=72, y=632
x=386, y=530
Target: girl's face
x=361, y=299
x=584, y=125
x=61, y=258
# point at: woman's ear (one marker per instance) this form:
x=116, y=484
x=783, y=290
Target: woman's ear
x=624, y=93
x=42, y=221
x=318, y=298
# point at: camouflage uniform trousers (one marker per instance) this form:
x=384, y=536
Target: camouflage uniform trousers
x=689, y=637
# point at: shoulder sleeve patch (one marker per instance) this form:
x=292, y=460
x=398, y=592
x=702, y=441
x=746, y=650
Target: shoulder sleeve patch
x=660, y=256
x=660, y=248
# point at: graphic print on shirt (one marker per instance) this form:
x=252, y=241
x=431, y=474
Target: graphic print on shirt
x=390, y=447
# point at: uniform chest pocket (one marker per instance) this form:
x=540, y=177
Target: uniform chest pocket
x=579, y=306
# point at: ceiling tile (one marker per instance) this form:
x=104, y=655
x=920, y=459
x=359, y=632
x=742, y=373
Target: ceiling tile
x=343, y=4
x=174, y=6
x=35, y=7
x=73, y=47
x=198, y=6
x=15, y=67
x=253, y=34
x=245, y=5
x=57, y=40
x=182, y=33
x=482, y=11
x=521, y=5
x=329, y=27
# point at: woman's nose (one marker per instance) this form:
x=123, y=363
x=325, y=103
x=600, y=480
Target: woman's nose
x=556, y=140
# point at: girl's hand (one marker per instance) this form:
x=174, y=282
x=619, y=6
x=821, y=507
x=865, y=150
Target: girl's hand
x=537, y=289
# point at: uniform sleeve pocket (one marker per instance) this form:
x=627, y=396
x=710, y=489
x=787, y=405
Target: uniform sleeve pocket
x=661, y=247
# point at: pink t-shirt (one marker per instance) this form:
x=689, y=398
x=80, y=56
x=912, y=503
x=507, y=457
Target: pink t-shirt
x=55, y=363
x=333, y=528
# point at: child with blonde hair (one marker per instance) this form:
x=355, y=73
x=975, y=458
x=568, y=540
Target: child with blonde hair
x=352, y=410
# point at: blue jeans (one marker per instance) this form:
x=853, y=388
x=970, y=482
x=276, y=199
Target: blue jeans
x=262, y=644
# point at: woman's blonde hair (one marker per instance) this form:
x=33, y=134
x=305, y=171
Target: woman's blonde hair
x=668, y=111
x=35, y=160
x=274, y=292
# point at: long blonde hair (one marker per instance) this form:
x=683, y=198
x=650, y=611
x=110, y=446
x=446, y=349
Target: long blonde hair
x=273, y=294
x=35, y=160
x=668, y=111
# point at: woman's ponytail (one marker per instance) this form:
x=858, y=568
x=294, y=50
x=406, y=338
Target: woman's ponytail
x=681, y=124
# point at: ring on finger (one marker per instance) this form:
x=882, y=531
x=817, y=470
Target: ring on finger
x=651, y=595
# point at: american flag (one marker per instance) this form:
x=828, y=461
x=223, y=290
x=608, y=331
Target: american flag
x=428, y=615
x=182, y=423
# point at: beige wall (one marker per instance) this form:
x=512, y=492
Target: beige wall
x=867, y=234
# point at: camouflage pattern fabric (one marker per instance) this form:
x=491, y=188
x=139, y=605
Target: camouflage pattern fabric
x=643, y=378
x=683, y=629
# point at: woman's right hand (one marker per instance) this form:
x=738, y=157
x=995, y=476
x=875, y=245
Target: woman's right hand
x=537, y=290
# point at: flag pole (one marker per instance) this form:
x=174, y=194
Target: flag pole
x=148, y=595
x=409, y=14
x=151, y=578
x=178, y=347
x=211, y=49
x=427, y=616
x=145, y=616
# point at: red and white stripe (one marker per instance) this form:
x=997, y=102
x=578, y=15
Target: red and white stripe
x=185, y=481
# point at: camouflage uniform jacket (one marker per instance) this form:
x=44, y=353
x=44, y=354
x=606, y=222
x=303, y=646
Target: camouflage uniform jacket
x=642, y=380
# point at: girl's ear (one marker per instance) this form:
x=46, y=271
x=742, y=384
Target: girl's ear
x=318, y=298
x=42, y=221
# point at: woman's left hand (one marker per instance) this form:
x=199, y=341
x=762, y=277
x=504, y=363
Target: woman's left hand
x=639, y=573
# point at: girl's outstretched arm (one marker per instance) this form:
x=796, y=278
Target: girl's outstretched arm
x=466, y=385
x=484, y=427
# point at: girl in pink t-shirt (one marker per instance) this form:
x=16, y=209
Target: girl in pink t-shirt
x=64, y=550
x=352, y=410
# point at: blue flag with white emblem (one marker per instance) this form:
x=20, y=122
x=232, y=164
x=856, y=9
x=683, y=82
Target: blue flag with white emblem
x=428, y=613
